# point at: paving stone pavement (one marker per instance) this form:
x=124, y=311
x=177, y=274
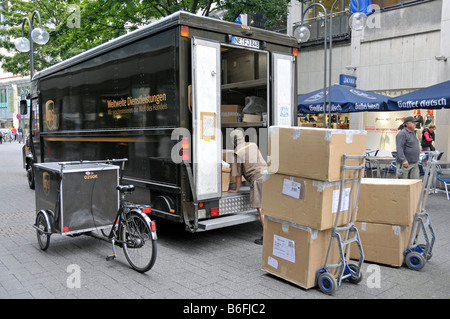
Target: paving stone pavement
x=220, y=264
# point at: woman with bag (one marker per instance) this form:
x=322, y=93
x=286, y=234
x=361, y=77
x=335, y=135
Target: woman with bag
x=428, y=138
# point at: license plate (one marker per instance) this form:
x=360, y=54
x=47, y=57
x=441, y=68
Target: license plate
x=245, y=42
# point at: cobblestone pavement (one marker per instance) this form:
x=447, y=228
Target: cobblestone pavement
x=221, y=264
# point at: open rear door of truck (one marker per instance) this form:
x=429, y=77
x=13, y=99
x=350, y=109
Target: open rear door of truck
x=206, y=134
x=283, y=109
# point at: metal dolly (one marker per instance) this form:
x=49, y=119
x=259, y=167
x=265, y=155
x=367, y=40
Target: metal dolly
x=326, y=280
x=416, y=255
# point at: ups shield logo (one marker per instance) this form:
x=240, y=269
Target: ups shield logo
x=50, y=115
x=46, y=183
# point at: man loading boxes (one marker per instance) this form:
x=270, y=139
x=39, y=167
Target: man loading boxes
x=248, y=162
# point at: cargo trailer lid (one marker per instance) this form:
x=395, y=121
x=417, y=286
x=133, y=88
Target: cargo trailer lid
x=56, y=167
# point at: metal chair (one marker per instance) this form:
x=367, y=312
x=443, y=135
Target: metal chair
x=368, y=166
x=392, y=168
x=445, y=181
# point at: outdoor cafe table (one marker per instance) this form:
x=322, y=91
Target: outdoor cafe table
x=380, y=162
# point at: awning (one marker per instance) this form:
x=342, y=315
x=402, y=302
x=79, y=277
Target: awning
x=433, y=97
x=343, y=99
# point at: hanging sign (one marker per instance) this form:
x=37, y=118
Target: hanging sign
x=348, y=80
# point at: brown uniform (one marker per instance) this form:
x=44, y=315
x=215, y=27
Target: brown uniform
x=248, y=162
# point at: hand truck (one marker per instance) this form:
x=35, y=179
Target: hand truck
x=416, y=255
x=326, y=280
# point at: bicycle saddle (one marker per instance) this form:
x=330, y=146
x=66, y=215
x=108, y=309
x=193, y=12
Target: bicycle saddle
x=125, y=188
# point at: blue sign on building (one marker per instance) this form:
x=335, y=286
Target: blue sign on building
x=348, y=80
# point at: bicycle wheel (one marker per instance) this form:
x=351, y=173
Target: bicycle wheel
x=138, y=245
x=42, y=234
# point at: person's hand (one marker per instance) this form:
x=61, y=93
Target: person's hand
x=405, y=164
x=232, y=191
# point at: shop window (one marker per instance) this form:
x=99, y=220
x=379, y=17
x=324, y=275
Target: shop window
x=3, y=99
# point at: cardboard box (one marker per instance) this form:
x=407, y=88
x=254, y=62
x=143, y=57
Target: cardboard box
x=382, y=243
x=231, y=113
x=314, y=153
x=251, y=118
x=304, y=201
x=295, y=253
x=226, y=173
x=388, y=201
x=228, y=156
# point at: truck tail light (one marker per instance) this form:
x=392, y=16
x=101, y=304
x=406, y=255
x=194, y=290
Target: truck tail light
x=184, y=31
x=185, y=149
x=295, y=51
x=214, y=211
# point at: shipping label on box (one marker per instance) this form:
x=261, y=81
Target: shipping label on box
x=313, y=153
x=293, y=188
x=284, y=248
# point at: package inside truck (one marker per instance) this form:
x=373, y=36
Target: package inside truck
x=244, y=94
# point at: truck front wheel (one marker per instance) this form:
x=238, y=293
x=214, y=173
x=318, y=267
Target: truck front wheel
x=30, y=176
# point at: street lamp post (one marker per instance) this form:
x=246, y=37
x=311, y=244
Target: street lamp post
x=302, y=34
x=38, y=35
x=357, y=22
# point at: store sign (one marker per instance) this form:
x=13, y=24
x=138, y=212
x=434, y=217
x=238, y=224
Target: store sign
x=348, y=80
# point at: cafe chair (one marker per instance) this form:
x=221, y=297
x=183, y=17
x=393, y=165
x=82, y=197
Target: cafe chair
x=391, y=169
x=445, y=181
x=369, y=167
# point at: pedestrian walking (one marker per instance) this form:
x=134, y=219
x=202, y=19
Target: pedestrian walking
x=13, y=133
x=428, y=138
x=20, y=131
x=408, y=150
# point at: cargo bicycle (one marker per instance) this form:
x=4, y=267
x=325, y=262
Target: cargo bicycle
x=130, y=227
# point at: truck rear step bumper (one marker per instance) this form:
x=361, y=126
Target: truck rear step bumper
x=228, y=220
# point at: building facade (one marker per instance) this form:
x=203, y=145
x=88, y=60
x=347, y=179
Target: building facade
x=403, y=48
x=12, y=89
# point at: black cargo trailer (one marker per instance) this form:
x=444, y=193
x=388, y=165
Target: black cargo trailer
x=155, y=96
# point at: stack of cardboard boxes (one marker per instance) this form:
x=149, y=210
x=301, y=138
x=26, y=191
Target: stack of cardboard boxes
x=300, y=199
x=386, y=212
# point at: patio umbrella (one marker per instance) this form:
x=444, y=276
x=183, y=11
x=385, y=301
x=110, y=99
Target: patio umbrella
x=343, y=99
x=433, y=97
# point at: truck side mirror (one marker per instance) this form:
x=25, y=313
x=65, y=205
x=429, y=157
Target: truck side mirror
x=23, y=107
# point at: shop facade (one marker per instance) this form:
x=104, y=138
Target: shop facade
x=12, y=90
x=402, y=49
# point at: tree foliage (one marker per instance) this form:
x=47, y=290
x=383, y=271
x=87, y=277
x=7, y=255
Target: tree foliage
x=78, y=25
